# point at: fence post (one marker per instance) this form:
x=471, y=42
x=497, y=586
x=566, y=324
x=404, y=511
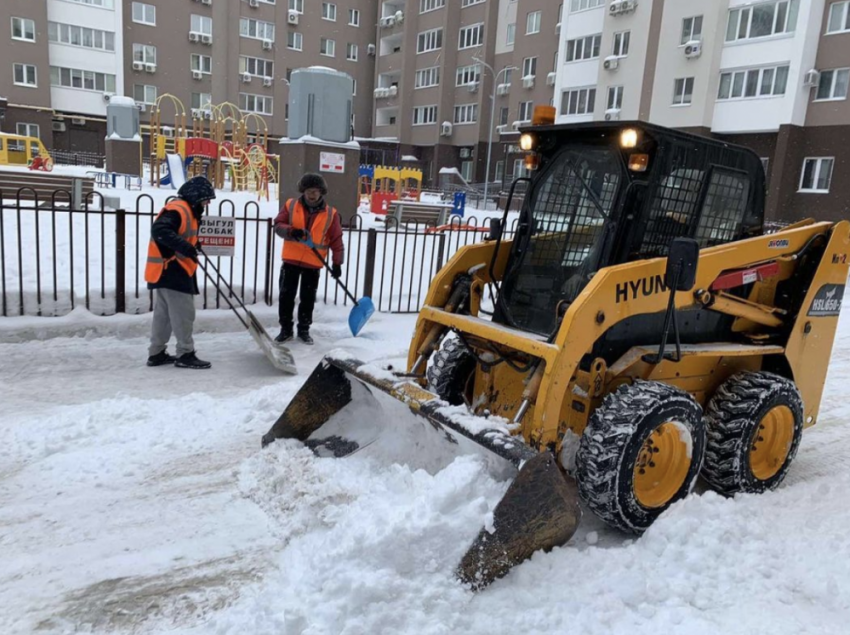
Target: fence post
x=441, y=250
x=120, y=260
x=369, y=273
x=267, y=292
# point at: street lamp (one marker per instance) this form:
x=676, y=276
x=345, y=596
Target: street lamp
x=495, y=75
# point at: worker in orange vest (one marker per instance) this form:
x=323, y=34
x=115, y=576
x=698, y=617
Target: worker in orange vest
x=307, y=216
x=170, y=272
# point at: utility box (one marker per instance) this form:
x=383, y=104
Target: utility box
x=123, y=141
x=320, y=104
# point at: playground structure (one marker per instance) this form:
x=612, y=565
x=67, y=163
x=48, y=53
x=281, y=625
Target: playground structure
x=222, y=143
x=379, y=185
x=24, y=151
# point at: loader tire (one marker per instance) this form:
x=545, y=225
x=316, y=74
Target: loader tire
x=754, y=425
x=450, y=370
x=641, y=451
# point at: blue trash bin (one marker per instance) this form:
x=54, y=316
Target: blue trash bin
x=459, y=204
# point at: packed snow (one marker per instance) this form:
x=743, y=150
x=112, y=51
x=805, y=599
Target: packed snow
x=138, y=500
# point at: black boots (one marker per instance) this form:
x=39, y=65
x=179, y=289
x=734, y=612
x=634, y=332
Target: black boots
x=284, y=336
x=304, y=336
x=190, y=360
x=161, y=359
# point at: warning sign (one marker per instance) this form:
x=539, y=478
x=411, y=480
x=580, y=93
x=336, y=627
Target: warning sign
x=218, y=235
x=331, y=162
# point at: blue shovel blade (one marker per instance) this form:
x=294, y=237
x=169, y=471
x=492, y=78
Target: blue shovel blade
x=360, y=314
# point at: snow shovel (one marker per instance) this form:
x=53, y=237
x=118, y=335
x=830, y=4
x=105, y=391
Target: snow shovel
x=362, y=309
x=280, y=356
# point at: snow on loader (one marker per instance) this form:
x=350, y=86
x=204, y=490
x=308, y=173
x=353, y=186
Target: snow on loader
x=645, y=332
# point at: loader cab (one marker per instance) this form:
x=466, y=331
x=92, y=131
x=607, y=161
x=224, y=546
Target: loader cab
x=609, y=193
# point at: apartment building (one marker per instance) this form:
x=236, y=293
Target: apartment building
x=439, y=63
x=771, y=75
x=69, y=56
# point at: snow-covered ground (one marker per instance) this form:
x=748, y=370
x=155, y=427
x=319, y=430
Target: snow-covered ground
x=137, y=500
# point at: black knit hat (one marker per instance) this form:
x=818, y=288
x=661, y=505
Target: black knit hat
x=312, y=180
x=196, y=190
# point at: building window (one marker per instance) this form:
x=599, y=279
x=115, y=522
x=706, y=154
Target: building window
x=256, y=66
x=294, y=41
x=532, y=22
x=683, y=91
x=765, y=163
x=466, y=170
x=839, y=17
x=80, y=36
x=201, y=24
x=424, y=115
x=103, y=4
x=583, y=5
x=201, y=63
x=354, y=17
x=351, y=52
x=329, y=11
x=256, y=29
x=833, y=84
x=615, y=97
x=761, y=20
x=529, y=67
x=467, y=75
x=579, y=101
x=817, y=174
x=466, y=113
x=510, y=36
x=621, y=43
x=755, y=82
x=201, y=101
x=430, y=5
x=144, y=53
x=471, y=36
x=691, y=29
x=296, y=5
x=25, y=75
x=144, y=94
x=427, y=77
x=353, y=87
x=85, y=80
x=469, y=3
x=327, y=47
x=526, y=110
x=429, y=41
x=23, y=29
x=583, y=48
x=504, y=113
x=144, y=13
x=500, y=171
x=28, y=130
x=520, y=171
x=259, y=104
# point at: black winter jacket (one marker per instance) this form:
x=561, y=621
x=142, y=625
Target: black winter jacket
x=164, y=232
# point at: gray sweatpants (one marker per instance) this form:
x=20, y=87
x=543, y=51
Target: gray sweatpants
x=172, y=311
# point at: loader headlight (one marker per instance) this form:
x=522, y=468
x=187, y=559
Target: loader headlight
x=629, y=138
x=527, y=141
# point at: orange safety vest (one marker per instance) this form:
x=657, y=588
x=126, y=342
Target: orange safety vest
x=156, y=264
x=299, y=253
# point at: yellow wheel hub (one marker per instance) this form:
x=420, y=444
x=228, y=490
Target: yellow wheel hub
x=662, y=465
x=772, y=442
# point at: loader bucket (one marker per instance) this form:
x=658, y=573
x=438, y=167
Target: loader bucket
x=540, y=510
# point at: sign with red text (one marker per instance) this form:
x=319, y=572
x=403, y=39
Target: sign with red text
x=331, y=162
x=218, y=235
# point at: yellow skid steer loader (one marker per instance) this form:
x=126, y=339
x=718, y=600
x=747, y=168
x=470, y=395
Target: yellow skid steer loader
x=645, y=332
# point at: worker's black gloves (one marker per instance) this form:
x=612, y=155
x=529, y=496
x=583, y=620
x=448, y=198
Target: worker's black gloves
x=297, y=234
x=336, y=271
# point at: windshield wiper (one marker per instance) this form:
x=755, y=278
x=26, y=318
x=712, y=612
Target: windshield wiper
x=593, y=197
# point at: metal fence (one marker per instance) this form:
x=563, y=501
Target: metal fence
x=55, y=258
x=86, y=159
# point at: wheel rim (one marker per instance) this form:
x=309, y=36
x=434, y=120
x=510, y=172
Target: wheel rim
x=772, y=442
x=662, y=464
